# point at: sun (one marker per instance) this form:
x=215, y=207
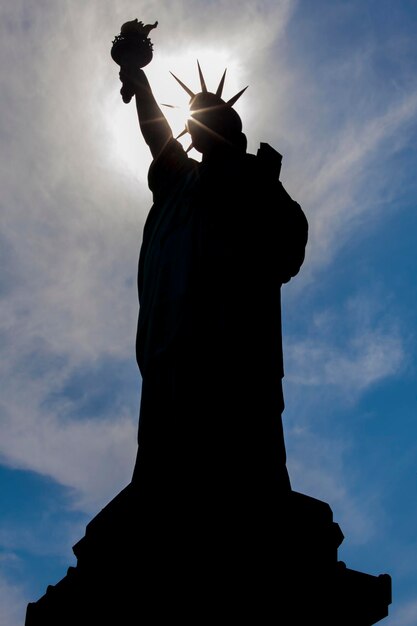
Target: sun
x=167, y=91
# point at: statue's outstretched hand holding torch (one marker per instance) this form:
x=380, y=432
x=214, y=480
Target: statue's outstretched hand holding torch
x=132, y=50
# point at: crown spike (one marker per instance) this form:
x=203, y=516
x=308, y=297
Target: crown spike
x=221, y=85
x=236, y=97
x=190, y=93
x=190, y=147
x=182, y=133
x=202, y=81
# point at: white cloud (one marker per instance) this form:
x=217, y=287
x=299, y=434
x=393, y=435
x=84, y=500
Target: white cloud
x=348, y=349
x=338, y=192
x=366, y=359
x=12, y=603
x=71, y=226
x=345, y=352
x=338, y=128
x=317, y=468
x=403, y=615
x=92, y=456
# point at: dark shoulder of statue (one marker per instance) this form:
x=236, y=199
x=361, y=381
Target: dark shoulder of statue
x=166, y=169
x=285, y=226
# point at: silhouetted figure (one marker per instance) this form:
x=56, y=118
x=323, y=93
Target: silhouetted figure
x=209, y=529
x=221, y=238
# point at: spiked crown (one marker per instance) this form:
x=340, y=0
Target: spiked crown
x=210, y=111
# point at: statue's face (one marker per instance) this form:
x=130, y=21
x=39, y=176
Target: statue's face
x=211, y=122
x=203, y=132
x=204, y=121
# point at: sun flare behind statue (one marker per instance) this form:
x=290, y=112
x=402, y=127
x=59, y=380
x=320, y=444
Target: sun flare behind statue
x=168, y=91
x=121, y=122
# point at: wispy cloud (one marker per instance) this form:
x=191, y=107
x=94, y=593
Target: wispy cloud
x=339, y=126
x=366, y=359
x=93, y=456
x=12, y=603
x=317, y=467
x=348, y=350
x=403, y=615
x=345, y=188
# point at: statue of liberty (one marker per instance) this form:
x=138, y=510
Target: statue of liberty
x=209, y=529
x=221, y=238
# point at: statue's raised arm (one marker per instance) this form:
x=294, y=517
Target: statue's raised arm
x=132, y=50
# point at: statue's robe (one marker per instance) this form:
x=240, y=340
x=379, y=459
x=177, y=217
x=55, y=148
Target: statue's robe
x=221, y=238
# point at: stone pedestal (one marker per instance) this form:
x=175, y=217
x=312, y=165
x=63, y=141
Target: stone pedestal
x=266, y=566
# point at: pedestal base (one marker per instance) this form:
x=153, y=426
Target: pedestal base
x=135, y=568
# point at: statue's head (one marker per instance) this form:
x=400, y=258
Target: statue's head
x=213, y=121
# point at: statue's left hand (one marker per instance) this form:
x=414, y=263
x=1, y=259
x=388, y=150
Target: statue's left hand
x=130, y=78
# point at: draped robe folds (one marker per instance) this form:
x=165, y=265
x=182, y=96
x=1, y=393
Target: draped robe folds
x=221, y=238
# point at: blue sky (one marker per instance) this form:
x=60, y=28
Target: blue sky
x=333, y=87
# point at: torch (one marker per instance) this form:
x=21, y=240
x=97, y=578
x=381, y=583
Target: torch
x=132, y=49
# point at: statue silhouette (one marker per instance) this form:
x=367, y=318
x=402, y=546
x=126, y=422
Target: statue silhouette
x=221, y=238
x=209, y=525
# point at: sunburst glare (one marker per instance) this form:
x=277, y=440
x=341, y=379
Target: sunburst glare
x=127, y=145
x=184, y=66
